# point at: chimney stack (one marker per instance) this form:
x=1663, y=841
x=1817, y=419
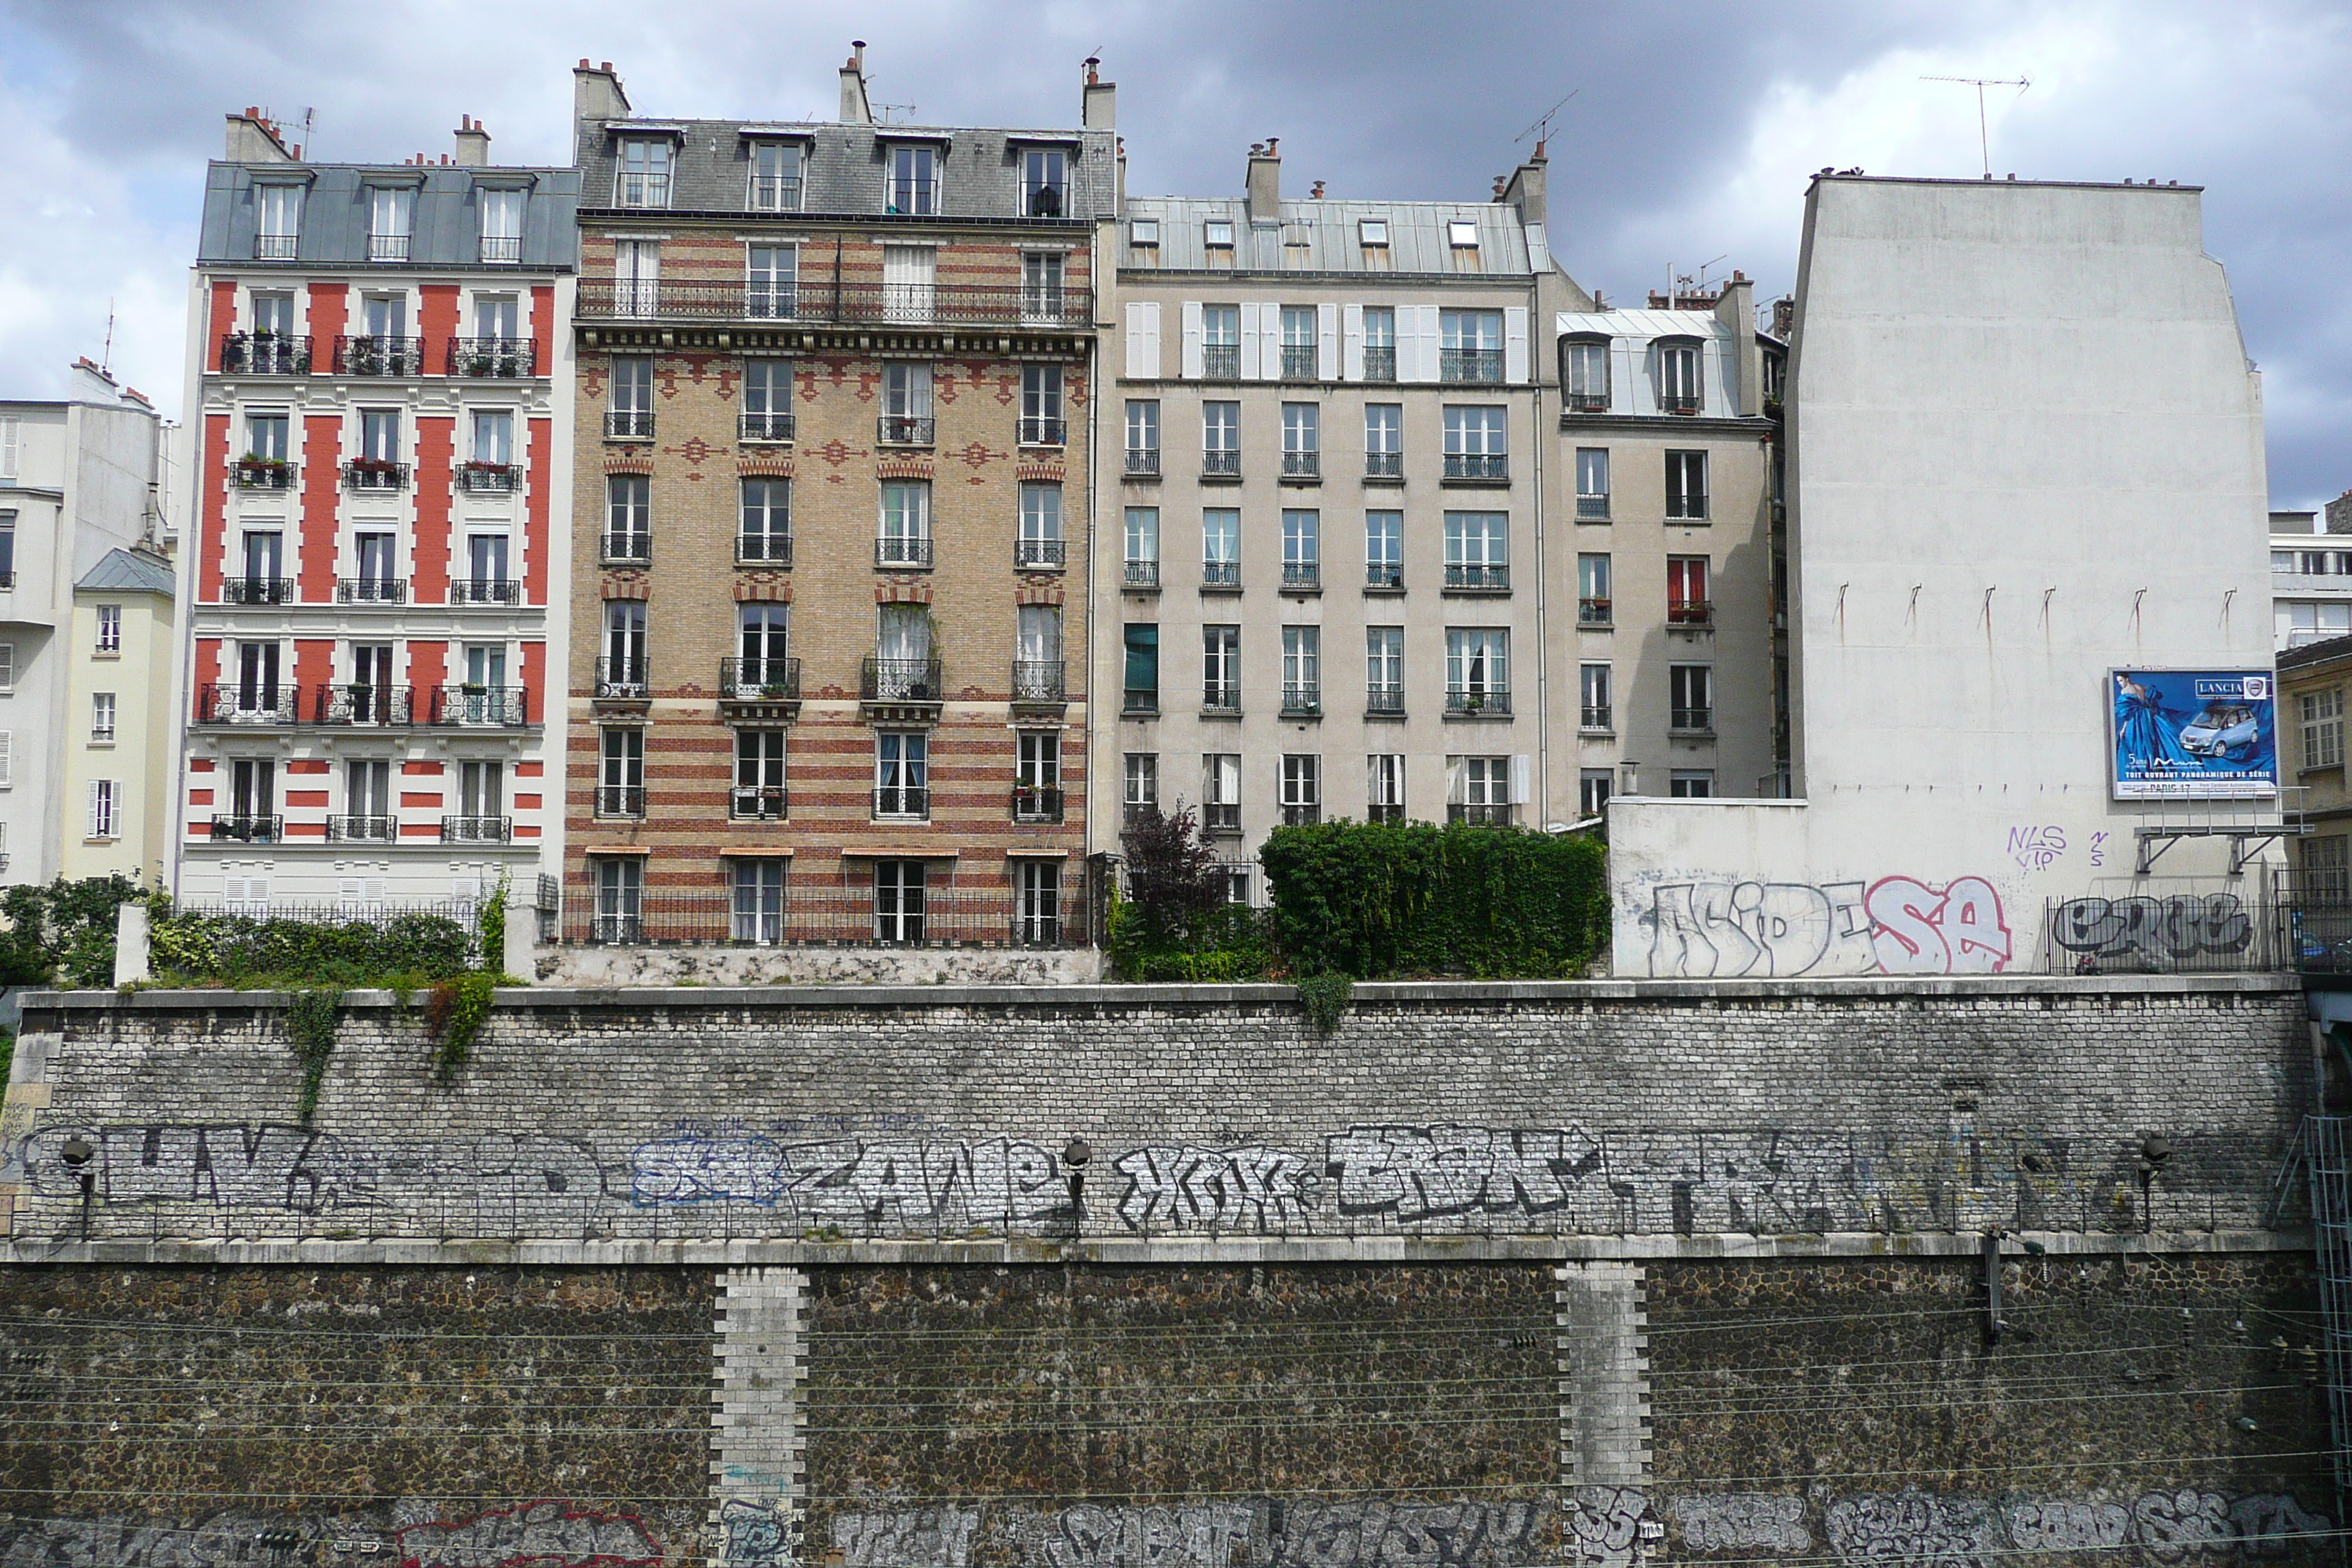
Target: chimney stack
x=597, y=97
x=1526, y=190
x=91, y=384
x=473, y=143
x=1265, y=183
x=255, y=140
x=855, y=110
x=1098, y=108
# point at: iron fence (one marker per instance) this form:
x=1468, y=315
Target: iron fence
x=868, y=303
x=2150, y=931
x=795, y=915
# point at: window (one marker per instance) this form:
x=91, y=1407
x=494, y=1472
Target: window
x=1221, y=438
x=486, y=581
x=1042, y=300
x=501, y=232
x=636, y=277
x=258, y=694
x=1592, y=484
x=367, y=800
x=1040, y=907
x=903, y=652
x=261, y=585
x=1470, y=345
x=1477, y=670
x=1143, y=436
x=109, y=629
x=1142, y=682
x=1597, y=712
x=1217, y=233
x=12, y=432
x=1686, y=601
x=1302, y=549
x=1384, y=440
x=624, y=673
x=1584, y=374
x=1691, y=689
x=759, y=792
x=1477, y=550
x=1302, y=669
x=1141, y=772
x=910, y=283
x=1678, y=378
x=1384, y=787
x=1302, y=789
x=757, y=913
x=770, y=281
x=1593, y=602
x=101, y=718
x=906, y=533
x=1691, y=784
x=1221, y=342
x=1037, y=775
x=1686, y=486
x=493, y=430
x=641, y=174
x=901, y=774
x=1299, y=343
x=767, y=531
x=1384, y=669
x=1143, y=233
x=1221, y=792
x=628, y=517
x=763, y=648
x=391, y=209
x=1045, y=182
x=906, y=403
x=1462, y=234
x=775, y=177
x=1041, y=405
x=2323, y=729
x=2326, y=870
x=1302, y=440
x=481, y=802
x=278, y=219
x=1478, y=789
x=253, y=788
x=7, y=548
x=1380, y=343
x=1142, y=547
x=103, y=800
x=914, y=180
x=1040, y=544
x=1474, y=448
x=631, y=416
x=767, y=400
x=1385, y=550
x=497, y=318
x=386, y=318
x=898, y=900
x=1220, y=669
x=265, y=438
x=379, y=447
x=620, y=898
x=1220, y=547
x=1373, y=231
x=1037, y=654
x=1594, y=786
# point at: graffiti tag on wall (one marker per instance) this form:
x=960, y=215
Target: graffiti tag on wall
x=1896, y=925
x=2156, y=931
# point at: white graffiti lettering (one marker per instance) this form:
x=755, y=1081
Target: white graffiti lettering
x=1919, y=929
x=1418, y=1172
x=549, y=1534
x=1747, y=1521
x=1778, y=929
x=1269, y=1191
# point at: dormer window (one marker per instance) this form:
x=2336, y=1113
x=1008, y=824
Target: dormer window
x=775, y=177
x=1462, y=234
x=1584, y=374
x=1217, y=233
x=279, y=215
x=641, y=179
x=1678, y=385
x=501, y=224
x=1374, y=232
x=914, y=180
x=1143, y=233
x=391, y=213
x=1045, y=182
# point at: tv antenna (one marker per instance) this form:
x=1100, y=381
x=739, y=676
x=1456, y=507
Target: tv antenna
x=106, y=354
x=1541, y=129
x=1984, y=140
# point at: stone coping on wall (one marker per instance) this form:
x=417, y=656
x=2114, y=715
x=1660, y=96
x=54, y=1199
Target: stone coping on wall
x=1367, y=992
x=1729, y=1247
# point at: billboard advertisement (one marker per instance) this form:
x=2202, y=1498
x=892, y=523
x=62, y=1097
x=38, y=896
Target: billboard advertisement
x=2195, y=734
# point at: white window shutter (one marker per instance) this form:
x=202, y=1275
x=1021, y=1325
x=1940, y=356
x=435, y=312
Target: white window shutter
x=7, y=665
x=1457, y=781
x=7, y=758
x=91, y=831
x=1327, y=342
x=1191, y=369
x=1514, y=345
x=1425, y=361
x=1150, y=340
x=1351, y=342
x=371, y=889
x=1249, y=343
x=1522, y=779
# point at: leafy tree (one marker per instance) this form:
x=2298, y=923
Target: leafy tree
x=64, y=934
x=1171, y=877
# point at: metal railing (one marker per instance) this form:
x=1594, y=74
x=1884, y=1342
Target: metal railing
x=501, y=248
x=275, y=246
x=233, y=702
x=1298, y=361
x=628, y=424
x=1593, y=613
x=817, y=300
x=1384, y=575
x=1302, y=464
x=1300, y=575
x=379, y=357
x=902, y=551
x=1384, y=464
x=485, y=591
x=1142, y=574
x=1478, y=465
x=1386, y=813
x=1036, y=803
x=490, y=478
x=1039, y=680
x=362, y=829
x=474, y=707
x=1301, y=814
x=1040, y=554
x=1482, y=814
x=387, y=248
x=1478, y=576
x=627, y=547
x=375, y=474
x=1379, y=363
x=477, y=829
x=354, y=703
x=1602, y=716
x=1042, y=432
x=265, y=354
x=1221, y=699
x=759, y=802
x=1586, y=401
x=258, y=591
x=263, y=473
x=900, y=680
x=1143, y=460
x=1220, y=574
x=1222, y=461
x=1592, y=508
x=904, y=430
x=1302, y=701
x=765, y=549
x=1679, y=402
x=759, y=680
x=902, y=801
x=244, y=827
x=1384, y=699
x=1474, y=699
x=1141, y=700
x=1690, y=612
x=1469, y=366
x=1693, y=718
x=623, y=678
x=1221, y=816
x=504, y=359
x=800, y=914
x=370, y=590
x=620, y=800
x=758, y=426
x=1221, y=362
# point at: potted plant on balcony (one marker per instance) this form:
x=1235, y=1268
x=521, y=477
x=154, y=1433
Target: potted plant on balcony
x=376, y=472
x=1472, y=701
x=265, y=473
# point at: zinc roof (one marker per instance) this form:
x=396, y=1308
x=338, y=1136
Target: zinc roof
x=1330, y=235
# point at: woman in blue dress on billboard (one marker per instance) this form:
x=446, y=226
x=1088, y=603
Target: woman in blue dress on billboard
x=2147, y=738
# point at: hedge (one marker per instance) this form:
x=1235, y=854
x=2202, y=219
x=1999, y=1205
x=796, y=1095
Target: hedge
x=1374, y=900
x=240, y=949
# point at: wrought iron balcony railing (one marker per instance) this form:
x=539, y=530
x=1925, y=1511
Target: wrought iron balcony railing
x=1383, y=698
x=275, y=246
x=477, y=829
x=763, y=427
x=1302, y=701
x=765, y=549
x=903, y=801
x=1217, y=697
x=828, y=303
x=1679, y=402
x=623, y=678
x=1221, y=816
x=1139, y=699
x=501, y=249
x=351, y=702
x=362, y=829
x=1384, y=464
x=263, y=473
x=1220, y=574
x=482, y=707
x=903, y=430
x=239, y=702
x=375, y=474
x=1587, y=402
x=1036, y=803
x=245, y=827
x=1301, y=814
x=387, y=248
x=1690, y=612
x=1040, y=554
x=1041, y=432
x=1478, y=577
x=1221, y=362
x=900, y=680
x=759, y=680
x=766, y=301
x=258, y=591
x=1469, y=366
x=1143, y=462
x=1038, y=680
x=1597, y=716
x=1479, y=700
x=1302, y=464
x=1298, y=361
x=1593, y=612
x=622, y=549
x=758, y=803
x=485, y=591
x=1389, y=813
x=1379, y=363
x=1478, y=465
x=1484, y=814
x=900, y=550
x=1222, y=461
x=379, y=357
x=1299, y=576
x=503, y=359
x=1143, y=573
x=1384, y=575
x=1690, y=718
x=491, y=478
x=628, y=424
x=620, y=800
x=1592, y=508
x=265, y=354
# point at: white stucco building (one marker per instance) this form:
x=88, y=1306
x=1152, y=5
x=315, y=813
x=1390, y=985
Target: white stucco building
x=2026, y=452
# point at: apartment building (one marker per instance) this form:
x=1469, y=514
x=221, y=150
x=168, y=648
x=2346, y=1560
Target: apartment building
x=380, y=401
x=833, y=460
x=2310, y=574
x=76, y=482
x=121, y=744
x=1665, y=540
x=1333, y=428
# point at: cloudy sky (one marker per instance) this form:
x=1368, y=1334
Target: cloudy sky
x=1689, y=138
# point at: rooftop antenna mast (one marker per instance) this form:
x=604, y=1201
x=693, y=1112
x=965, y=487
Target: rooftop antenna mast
x=1984, y=140
x=106, y=354
x=1541, y=129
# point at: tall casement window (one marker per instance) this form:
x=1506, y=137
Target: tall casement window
x=1045, y=182
x=2323, y=729
x=1221, y=342
x=278, y=221
x=905, y=537
x=1142, y=557
x=1385, y=550
x=392, y=211
x=1380, y=343
x=767, y=524
x=1383, y=670
x=1302, y=440
x=1221, y=792
x=1678, y=383
x=641, y=171
x=1302, y=549
x=1221, y=438
x=1384, y=787
x=1038, y=912
x=905, y=664
x=621, y=671
x=775, y=177
x=1299, y=343
x=1220, y=547
x=1584, y=374
x=1470, y=345
x=636, y=277
x=1302, y=670
x=1142, y=677
x=631, y=415
x=767, y=400
x=628, y=517
x=1041, y=405
x=1140, y=778
x=501, y=232
x=771, y=282
x=620, y=898
x=1594, y=607
x=906, y=403
x=1037, y=776
x=1592, y=484
x=1475, y=447
x=1143, y=436
x=1040, y=545
x=763, y=663
x=1302, y=790
x=902, y=774
x=1478, y=669
x=1037, y=654
x=759, y=776
x=481, y=804
x=913, y=180
x=1691, y=687
x=104, y=817
x=1478, y=789
x=253, y=799
x=1686, y=486
x=1593, y=788
x=621, y=777
x=899, y=902
x=1043, y=301
x=758, y=910
x=911, y=276
x=1598, y=710
x=1384, y=440
x=1220, y=669
x=1687, y=603
x=1478, y=551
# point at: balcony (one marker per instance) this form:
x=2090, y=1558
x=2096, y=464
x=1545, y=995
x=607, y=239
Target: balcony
x=1142, y=574
x=497, y=359
x=235, y=703
x=477, y=830
x=1587, y=402
x=1139, y=701
x=244, y=827
x=1039, y=681
x=1224, y=575
x=763, y=549
x=754, y=426
x=1488, y=468
x=1383, y=702
x=1302, y=464
x=1388, y=814
x=490, y=478
x=1690, y=612
x=263, y=353
x=759, y=680
x=264, y=474
x=1601, y=716
x=1592, y=508
x=1301, y=814
x=1298, y=361
x=472, y=707
x=1036, y=803
x=1379, y=363
x=1384, y=576
x=1470, y=367
x=362, y=829
x=1221, y=701
x=1040, y=554
x=354, y=703
x=258, y=591
x=1302, y=702
x=903, y=803
x=1384, y=464
x=1593, y=613
x=1678, y=402
x=387, y=248
x=379, y=357
x=1143, y=462
x=758, y=803
x=275, y=246
x=1225, y=464
x=1482, y=814
x=1220, y=817
x=900, y=680
x=625, y=679
x=1477, y=702
x=1139, y=812
x=1041, y=432
x=903, y=553
x=485, y=591
x=375, y=474
x=1302, y=576
x=628, y=424
x=620, y=800
x=501, y=249
x=829, y=303
x=1221, y=362
x=903, y=430
x=1691, y=720
x=1478, y=577
x=627, y=549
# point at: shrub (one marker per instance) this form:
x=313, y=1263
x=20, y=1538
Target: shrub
x=454, y=1012
x=1173, y=924
x=242, y=949
x=63, y=933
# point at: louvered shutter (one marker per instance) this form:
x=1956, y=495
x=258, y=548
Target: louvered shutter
x=1351, y=342
x=1143, y=340
x=1327, y=342
x=92, y=829
x=7, y=758
x=1457, y=781
x=7, y=665
x=1250, y=339
x=1191, y=366
x=1514, y=345
x=1425, y=358
x=1522, y=779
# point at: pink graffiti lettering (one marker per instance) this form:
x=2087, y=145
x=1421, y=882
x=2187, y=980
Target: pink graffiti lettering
x=1917, y=929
